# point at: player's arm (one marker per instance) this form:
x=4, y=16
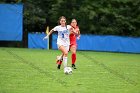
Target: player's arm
x=72, y=30
x=78, y=32
x=51, y=31
x=78, y=36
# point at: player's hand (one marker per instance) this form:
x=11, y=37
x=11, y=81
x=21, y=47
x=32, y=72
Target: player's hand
x=78, y=37
x=46, y=37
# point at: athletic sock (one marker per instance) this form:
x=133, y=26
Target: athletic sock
x=59, y=62
x=65, y=61
x=73, y=56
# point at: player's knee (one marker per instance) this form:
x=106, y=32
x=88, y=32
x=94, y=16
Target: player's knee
x=65, y=53
x=73, y=52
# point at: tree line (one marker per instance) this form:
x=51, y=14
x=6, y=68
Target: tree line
x=100, y=17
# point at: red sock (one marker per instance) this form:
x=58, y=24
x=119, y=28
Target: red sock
x=59, y=62
x=73, y=57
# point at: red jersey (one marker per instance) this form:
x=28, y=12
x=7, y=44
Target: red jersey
x=73, y=37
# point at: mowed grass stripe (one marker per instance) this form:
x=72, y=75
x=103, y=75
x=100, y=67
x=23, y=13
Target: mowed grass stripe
x=18, y=77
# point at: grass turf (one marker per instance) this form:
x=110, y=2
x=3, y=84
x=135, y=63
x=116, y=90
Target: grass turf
x=34, y=71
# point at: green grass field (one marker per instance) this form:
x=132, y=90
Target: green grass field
x=34, y=71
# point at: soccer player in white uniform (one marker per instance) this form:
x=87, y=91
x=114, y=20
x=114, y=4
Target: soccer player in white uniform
x=63, y=41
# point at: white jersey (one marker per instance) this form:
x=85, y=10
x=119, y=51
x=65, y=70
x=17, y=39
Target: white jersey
x=63, y=35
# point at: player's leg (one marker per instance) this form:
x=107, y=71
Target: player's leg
x=73, y=55
x=59, y=60
x=65, y=54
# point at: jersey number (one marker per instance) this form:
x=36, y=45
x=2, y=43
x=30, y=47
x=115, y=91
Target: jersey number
x=62, y=35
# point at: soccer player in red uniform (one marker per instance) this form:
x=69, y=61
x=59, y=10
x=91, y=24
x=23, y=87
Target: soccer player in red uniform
x=73, y=44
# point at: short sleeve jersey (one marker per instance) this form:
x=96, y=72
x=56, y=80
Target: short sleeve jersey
x=63, y=35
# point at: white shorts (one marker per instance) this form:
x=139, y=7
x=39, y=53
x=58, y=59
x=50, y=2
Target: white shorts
x=65, y=43
x=66, y=47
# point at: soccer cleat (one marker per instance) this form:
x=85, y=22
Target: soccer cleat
x=59, y=62
x=73, y=66
x=58, y=67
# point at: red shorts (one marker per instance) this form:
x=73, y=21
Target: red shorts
x=73, y=45
x=73, y=40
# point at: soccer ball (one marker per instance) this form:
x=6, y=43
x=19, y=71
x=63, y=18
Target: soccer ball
x=68, y=70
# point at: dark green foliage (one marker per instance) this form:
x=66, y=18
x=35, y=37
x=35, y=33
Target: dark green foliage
x=111, y=17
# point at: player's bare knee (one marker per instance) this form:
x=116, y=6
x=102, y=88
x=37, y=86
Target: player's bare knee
x=65, y=53
x=73, y=52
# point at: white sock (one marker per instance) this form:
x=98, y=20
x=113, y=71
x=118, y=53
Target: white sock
x=65, y=59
